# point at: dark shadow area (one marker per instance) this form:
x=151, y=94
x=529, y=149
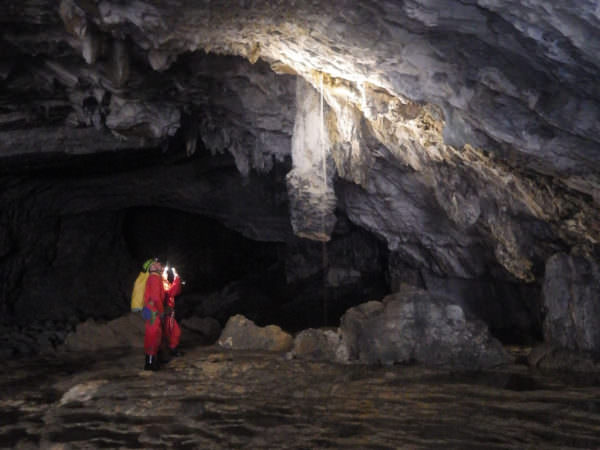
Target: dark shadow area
x=206, y=254
x=270, y=283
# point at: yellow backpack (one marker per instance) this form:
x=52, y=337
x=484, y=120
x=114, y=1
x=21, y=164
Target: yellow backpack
x=139, y=287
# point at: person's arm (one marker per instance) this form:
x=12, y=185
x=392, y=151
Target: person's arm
x=175, y=288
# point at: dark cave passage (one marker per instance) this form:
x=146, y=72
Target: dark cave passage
x=282, y=283
x=207, y=254
x=286, y=283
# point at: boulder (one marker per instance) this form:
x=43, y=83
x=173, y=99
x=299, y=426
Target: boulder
x=352, y=323
x=419, y=326
x=570, y=295
x=207, y=328
x=240, y=333
x=125, y=331
x=320, y=344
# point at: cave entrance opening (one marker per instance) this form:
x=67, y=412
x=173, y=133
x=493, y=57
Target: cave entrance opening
x=281, y=283
x=208, y=256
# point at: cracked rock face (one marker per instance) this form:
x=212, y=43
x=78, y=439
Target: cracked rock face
x=415, y=325
x=571, y=293
x=464, y=134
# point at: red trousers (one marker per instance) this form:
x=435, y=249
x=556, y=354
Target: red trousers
x=153, y=336
x=171, y=332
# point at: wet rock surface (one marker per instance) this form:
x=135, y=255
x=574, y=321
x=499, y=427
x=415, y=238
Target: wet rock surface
x=548, y=357
x=215, y=398
x=34, y=338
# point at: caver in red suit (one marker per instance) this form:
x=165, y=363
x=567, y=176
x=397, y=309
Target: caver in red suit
x=171, y=329
x=152, y=312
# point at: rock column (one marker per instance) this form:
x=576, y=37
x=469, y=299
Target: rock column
x=309, y=184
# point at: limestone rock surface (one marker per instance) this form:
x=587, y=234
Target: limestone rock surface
x=221, y=399
x=90, y=336
x=207, y=327
x=467, y=130
x=571, y=292
x=320, y=344
x=419, y=326
x=547, y=357
x=464, y=134
x=241, y=333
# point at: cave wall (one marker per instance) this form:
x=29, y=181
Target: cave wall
x=76, y=270
x=75, y=241
x=60, y=265
x=66, y=247
x=463, y=134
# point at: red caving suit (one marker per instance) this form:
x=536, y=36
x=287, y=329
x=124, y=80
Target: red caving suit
x=154, y=296
x=153, y=311
x=171, y=330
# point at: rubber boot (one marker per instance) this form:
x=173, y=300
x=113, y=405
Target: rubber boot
x=175, y=352
x=151, y=362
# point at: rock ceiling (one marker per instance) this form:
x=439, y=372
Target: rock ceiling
x=463, y=133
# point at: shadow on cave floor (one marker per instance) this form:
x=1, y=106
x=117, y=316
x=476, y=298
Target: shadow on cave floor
x=213, y=398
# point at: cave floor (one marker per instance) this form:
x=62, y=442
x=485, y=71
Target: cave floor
x=212, y=398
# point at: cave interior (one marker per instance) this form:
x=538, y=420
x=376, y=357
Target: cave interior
x=293, y=160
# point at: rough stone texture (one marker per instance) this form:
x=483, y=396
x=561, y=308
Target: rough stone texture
x=128, y=331
x=549, y=358
x=91, y=336
x=240, y=297
x=35, y=338
x=464, y=134
x=79, y=259
x=207, y=327
x=571, y=299
x=429, y=91
x=242, y=334
x=312, y=199
x=221, y=399
x=320, y=344
x=512, y=311
x=419, y=326
x=352, y=253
